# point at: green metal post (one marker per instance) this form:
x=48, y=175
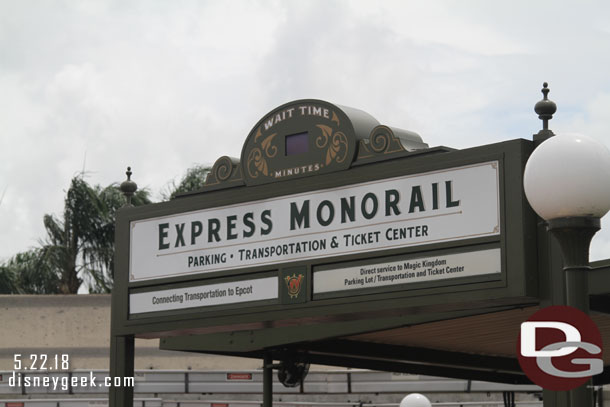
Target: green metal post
x=553, y=292
x=121, y=365
x=574, y=235
x=568, y=284
x=267, y=380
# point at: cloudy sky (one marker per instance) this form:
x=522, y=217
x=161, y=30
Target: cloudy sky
x=163, y=85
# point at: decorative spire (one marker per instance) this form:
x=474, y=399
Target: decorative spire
x=545, y=108
x=128, y=187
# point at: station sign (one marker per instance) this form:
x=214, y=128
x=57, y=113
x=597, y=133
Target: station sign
x=204, y=295
x=414, y=270
x=327, y=216
x=437, y=206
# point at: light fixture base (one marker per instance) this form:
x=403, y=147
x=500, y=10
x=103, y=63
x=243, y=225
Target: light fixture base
x=574, y=235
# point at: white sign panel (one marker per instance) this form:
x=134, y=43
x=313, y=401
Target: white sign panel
x=439, y=206
x=204, y=295
x=434, y=268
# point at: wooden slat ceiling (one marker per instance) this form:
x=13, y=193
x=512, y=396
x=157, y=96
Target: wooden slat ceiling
x=492, y=334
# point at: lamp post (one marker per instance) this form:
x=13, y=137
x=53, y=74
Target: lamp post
x=567, y=183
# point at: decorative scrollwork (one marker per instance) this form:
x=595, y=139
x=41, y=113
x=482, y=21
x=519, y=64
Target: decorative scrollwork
x=335, y=119
x=223, y=167
x=256, y=162
x=381, y=142
x=270, y=149
x=380, y=139
x=322, y=139
x=337, y=150
x=259, y=134
x=225, y=170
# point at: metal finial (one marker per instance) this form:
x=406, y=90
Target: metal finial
x=545, y=90
x=128, y=187
x=545, y=108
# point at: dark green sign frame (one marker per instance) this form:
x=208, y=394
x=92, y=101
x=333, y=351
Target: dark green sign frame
x=516, y=284
x=371, y=152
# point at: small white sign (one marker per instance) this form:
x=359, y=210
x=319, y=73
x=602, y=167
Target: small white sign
x=410, y=210
x=204, y=295
x=432, y=268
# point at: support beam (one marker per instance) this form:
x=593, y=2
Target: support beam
x=267, y=380
x=413, y=368
x=121, y=365
x=415, y=354
x=555, y=398
x=247, y=340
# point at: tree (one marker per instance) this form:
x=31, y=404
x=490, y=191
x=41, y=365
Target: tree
x=28, y=273
x=80, y=244
x=7, y=280
x=193, y=180
x=102, y=258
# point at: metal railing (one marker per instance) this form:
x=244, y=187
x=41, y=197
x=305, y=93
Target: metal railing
x=157, y=402
x=84, y=382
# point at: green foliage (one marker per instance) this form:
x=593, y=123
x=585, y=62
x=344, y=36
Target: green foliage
x=193, y=180
x=99, y=255
x=8, y=284
x=28, y=273
x=79, y=243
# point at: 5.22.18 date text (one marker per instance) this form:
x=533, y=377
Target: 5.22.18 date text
x=41, y=361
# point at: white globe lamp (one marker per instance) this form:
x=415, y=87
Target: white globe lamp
x=567, y=183
x=415, y=400
x=568, y=176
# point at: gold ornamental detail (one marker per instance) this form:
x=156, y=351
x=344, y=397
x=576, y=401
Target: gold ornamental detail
x=257, y=159
x=336, y=144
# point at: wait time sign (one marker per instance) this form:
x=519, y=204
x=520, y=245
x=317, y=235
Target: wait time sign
x=327, y=215
x=411, y=210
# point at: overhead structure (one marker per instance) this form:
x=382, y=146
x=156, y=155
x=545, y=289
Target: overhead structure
x=336, y=240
